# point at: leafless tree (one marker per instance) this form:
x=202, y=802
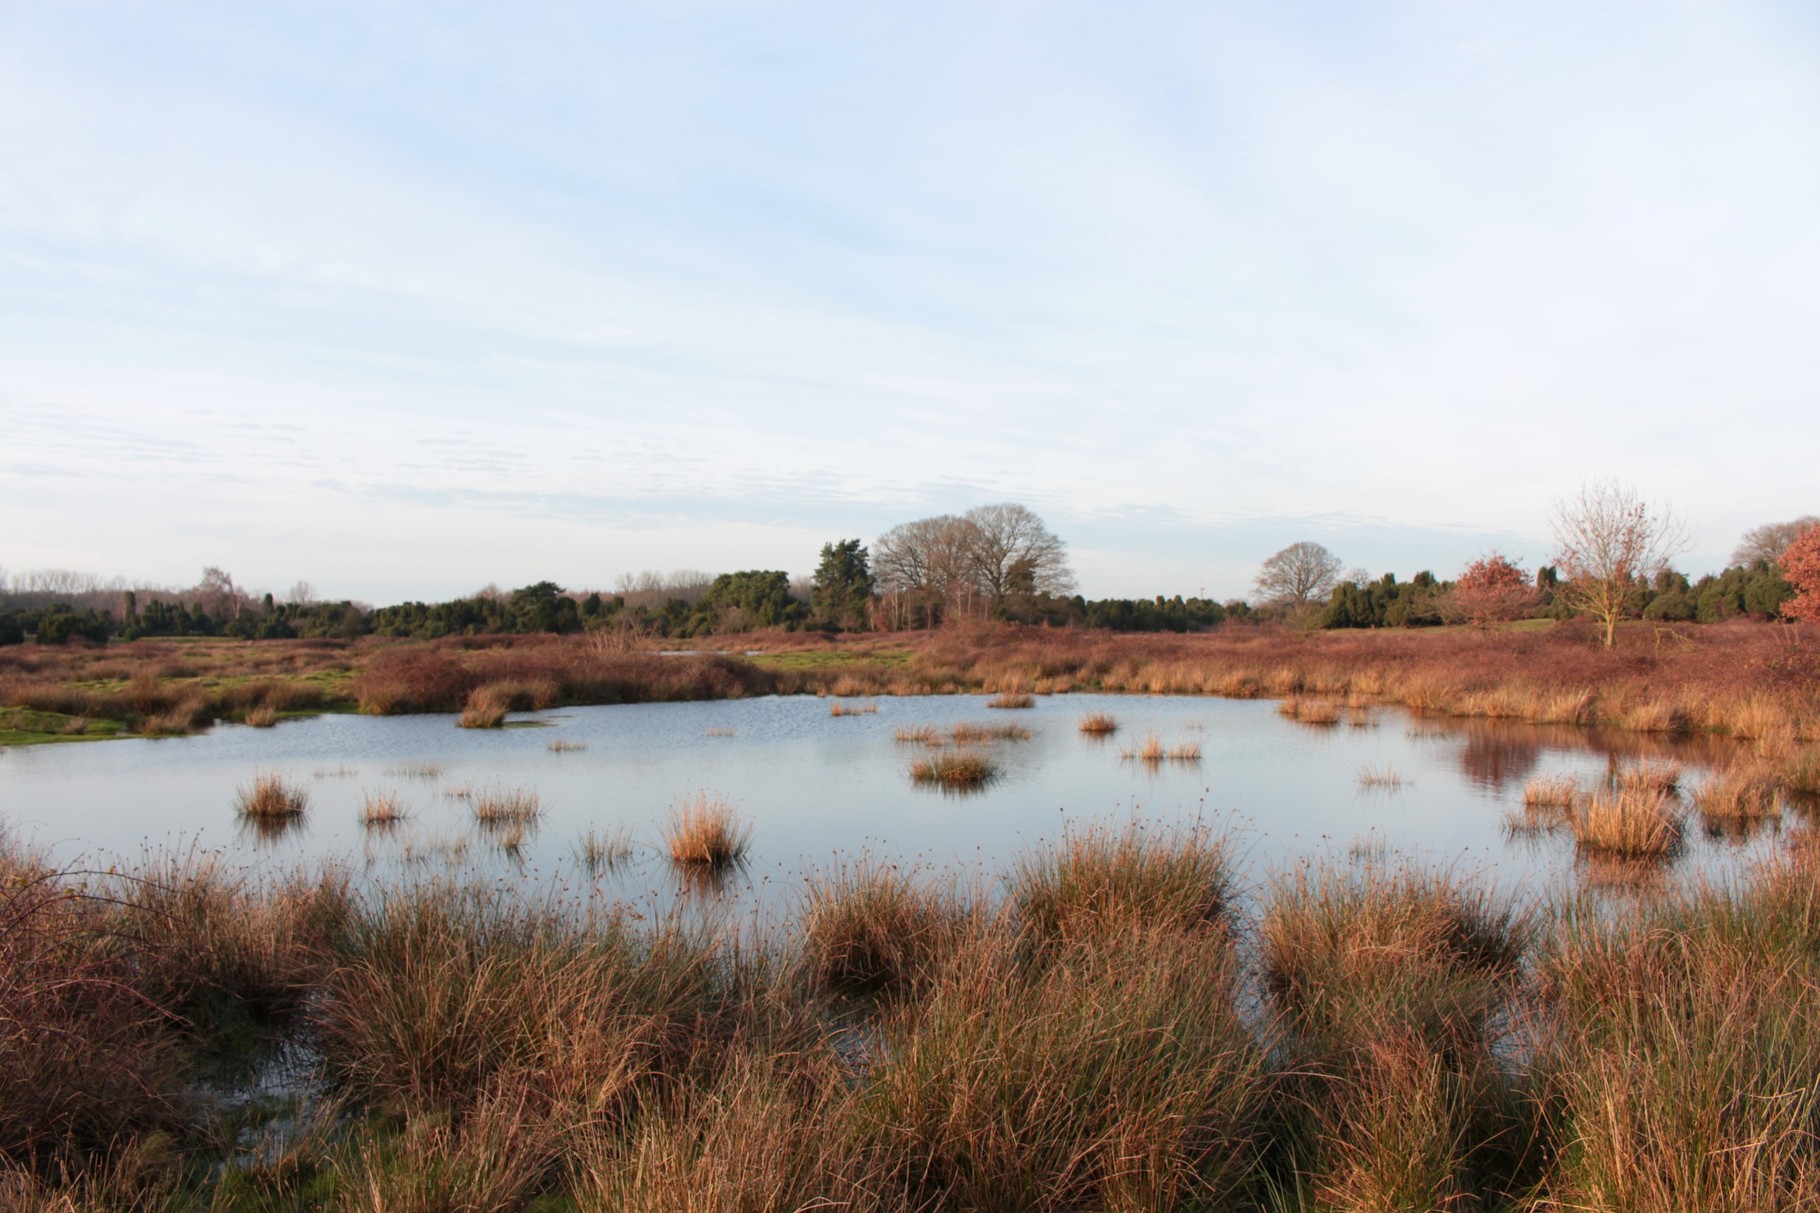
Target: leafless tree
x=992, y=557
x=1012, y=554
x=1766, y=543
x=1611, y=543
x=301, y=593
x=1301, y=574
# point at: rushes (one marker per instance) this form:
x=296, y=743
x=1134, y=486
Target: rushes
x=1385, y=777
x=704, y=831
x=871, y=928
x=837, y=708
x=562, y=745
x=270, y=797
x=1103, y=879
x=603, y=850
x=957, y=769
x=1099, y=724
x=965, y=734
x=496, y=806
x=381, y=810
x=922, y=734
x=1012, y=699
x=1310, y=711
x=1152, y=751
x=1628, y=822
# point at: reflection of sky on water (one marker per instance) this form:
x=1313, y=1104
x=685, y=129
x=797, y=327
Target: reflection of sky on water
x=814, y=787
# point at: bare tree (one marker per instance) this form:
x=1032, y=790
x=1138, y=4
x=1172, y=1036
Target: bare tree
x=918, y=567
x=1300, y=574
x=1012, y=554
x=301, y=593
x=1766, y=543
x=1611, y=544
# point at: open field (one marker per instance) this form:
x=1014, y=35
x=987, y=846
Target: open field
x=1108, y=1026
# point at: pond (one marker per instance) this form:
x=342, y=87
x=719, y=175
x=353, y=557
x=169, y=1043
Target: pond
x=814, y=787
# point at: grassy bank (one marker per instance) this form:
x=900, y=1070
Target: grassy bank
x=1110, y=1026
x=1751, y=681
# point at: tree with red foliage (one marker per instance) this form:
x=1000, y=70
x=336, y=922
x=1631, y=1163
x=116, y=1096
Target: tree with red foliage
x=1801, y=568
x=1493, y=589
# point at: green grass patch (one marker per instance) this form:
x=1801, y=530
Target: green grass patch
x=22, y=726
x=832, y=659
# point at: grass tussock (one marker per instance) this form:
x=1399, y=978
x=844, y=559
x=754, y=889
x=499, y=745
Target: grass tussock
x=838, y=708
x=564, y=745
x=263, y=717
x=1141, y=875
x=704, y=831
x=498, y=806
x=1551, y=792
x=271, y=797
x=920, y=734
x=1012, y=699
x=1310, y=711
x=604, y=850
x=876, y=929
x=1099, y=724
x=1381, y=777
x=382, y=810
x=1748, y=794
x=971, y=734
x=1630, y=822
x=957, y=769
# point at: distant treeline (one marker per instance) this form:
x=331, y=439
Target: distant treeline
x=54, y=608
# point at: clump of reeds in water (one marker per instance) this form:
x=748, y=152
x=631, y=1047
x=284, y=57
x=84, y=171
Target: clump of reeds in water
x=563, y=745
x=604, y=850
x=965, y=733
x=381, y=810
x=495, y=806
x=270, y=797
x=1151, y=750
x=873, y=928
x=1380, y=777
x=1664, y=777
x=1309, y=711
x=920, y=734
x=1099, y=724
x=1012, y=699
x=837, y=708
x=1102, y=878
x=959, y=769
x=425, y=771
x=1551, y=792
x=486, y=708
x=1746, y=795
x=704, y=831
x=1628, y=822
x=262, y=717
x=723, y=730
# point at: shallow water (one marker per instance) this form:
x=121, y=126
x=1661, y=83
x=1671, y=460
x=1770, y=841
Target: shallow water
x=814, y=787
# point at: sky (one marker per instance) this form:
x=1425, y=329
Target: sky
x=402, y=299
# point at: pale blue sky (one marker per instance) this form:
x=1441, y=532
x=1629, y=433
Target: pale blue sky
x=404, y=299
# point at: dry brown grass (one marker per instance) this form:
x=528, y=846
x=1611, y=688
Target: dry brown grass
x=1099, y=724
x=838, y=708
x=704, y=830
x=1628, y=822
x=497, y=806
x=379, y=810
x=1012, y=699
x=957, y=769
x=564, y=745
x=271, y=796
x=966, y=733
x=920, y=734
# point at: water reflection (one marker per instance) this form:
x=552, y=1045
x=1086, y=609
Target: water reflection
x=269, y=829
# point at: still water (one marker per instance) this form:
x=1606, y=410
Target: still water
x=814, y=787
